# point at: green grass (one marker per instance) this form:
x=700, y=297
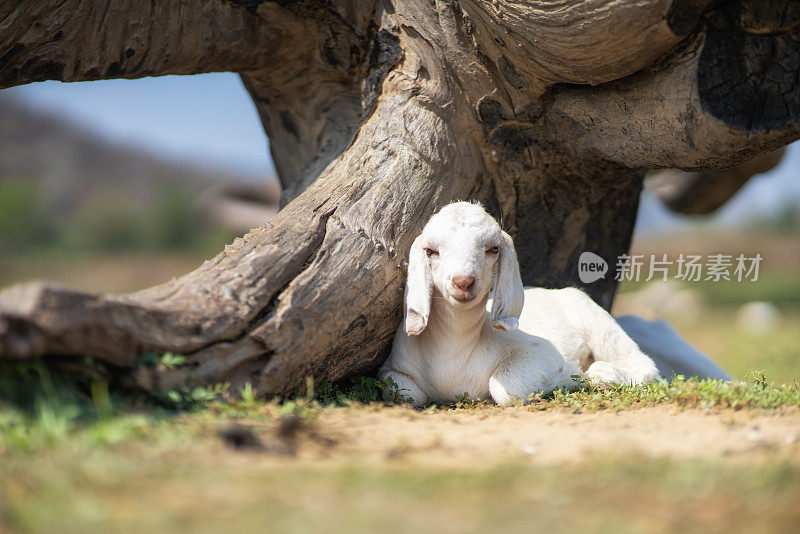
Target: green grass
x=184, y=486
x=781, y=288
x=717, y=335
x=776, y=352
x=755, y=392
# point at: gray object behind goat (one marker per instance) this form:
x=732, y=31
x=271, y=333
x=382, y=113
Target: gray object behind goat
x=672, y=354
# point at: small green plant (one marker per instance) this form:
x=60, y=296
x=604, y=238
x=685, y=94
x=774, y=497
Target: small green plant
x=463, y=398
x=361, y=389
x=172, y=361
x=101, y=398
x=168, y=360
x=247, y=394
x=305, y=405
x=758, y=379
x=189, y=399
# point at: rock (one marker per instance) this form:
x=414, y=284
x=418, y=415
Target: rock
x=758, y=317
x=685, y=305
x=663, y=300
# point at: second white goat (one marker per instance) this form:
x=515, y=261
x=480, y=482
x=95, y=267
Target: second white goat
x=448, y=345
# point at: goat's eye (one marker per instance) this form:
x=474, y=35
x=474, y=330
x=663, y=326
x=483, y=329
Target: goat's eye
x=431, y=252
x=493, y=250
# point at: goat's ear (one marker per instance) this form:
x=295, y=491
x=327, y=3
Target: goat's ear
x=418, y=290
x=507, y=292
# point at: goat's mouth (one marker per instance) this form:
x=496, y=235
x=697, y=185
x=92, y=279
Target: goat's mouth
x=463, y=296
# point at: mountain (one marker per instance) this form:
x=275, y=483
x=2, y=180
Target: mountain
x=67, y=163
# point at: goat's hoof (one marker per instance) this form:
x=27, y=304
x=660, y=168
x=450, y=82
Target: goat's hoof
x=605, y=374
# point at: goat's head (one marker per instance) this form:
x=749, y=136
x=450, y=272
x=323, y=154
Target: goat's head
x=461, y=255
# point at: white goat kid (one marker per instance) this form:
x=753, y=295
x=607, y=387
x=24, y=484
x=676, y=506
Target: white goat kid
x=448, y=345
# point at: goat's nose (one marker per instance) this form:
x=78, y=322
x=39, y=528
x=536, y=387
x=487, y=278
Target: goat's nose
x=464, y=283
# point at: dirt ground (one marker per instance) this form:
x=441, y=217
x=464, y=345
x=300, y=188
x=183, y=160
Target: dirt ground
x=461, y=438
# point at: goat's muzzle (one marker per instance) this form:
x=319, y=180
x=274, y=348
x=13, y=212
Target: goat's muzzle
x=463, y=288
x=464, y=283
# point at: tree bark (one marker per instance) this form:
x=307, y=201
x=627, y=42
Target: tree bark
x=380, y=113
x=700, y=193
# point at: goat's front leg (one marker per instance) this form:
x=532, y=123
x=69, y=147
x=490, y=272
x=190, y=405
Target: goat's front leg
x=521, y=376
x=406, y=386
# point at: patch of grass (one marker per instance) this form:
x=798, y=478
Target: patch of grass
x=37, y=407
x=756, y=392
x=778, y=287
x=201, y=489
x=42, y=408
x=738, y=352
x=781, y=289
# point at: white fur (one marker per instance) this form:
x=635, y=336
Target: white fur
x=448, y=345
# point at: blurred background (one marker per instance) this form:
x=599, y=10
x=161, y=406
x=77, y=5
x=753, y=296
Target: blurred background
x=118, y=185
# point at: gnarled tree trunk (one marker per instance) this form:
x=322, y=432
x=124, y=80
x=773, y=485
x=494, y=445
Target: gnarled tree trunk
x=378, y=113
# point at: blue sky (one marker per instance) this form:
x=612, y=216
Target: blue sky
x=210, y=119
